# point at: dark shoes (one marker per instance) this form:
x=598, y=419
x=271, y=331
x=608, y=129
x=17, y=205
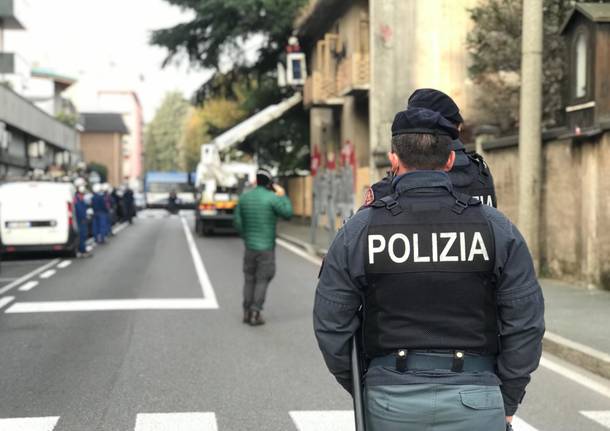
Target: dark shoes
x=256, y=319
x=247, y=316
x=253, y=318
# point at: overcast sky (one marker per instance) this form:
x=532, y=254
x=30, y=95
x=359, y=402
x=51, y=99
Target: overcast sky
x=104, y=44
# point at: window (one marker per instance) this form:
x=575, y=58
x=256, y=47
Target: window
x=581, y=60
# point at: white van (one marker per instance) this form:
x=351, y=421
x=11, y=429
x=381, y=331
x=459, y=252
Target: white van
x=37, y=216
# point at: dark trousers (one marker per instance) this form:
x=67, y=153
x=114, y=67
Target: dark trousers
x=259, y=269
x=82, y=236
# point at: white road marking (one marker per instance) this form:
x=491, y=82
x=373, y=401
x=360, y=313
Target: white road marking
x=29, y=275
x=204, y=279
x=48, y=274
x=28, y=286
x=339, y=420
x=116, y=230
x=64, y=264
x=196, y=421
x=29, y=424
x=601, y=417
x=4, y=301
x=576, y=377
x=112, y=305
x=521, y=425
x=299, y=252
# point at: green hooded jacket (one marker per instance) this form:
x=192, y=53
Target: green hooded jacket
x=256, y=217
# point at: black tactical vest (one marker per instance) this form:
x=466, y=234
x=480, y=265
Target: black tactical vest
x=429, y=268
x=474, y=180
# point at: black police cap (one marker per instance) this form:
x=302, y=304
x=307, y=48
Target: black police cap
x=423, y=121
x=436, y=101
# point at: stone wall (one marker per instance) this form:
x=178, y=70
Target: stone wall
x=575, y=207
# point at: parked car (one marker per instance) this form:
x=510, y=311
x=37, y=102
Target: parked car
x=37, y=216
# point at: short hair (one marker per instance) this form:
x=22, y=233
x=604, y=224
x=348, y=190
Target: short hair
x=422, y=151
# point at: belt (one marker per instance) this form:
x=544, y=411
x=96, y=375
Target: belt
x=419, y=361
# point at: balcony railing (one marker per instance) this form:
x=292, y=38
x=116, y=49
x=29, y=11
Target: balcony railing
x=353, y=74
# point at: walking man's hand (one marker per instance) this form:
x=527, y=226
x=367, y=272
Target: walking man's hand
x=279, y=190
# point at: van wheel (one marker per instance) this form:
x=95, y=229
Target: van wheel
x=72, y=253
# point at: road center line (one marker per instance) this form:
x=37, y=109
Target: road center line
x=64, y=264
x=28, y=286
x=202, y=275
x=48, y=273
x=29, y=275
x=4, y=301
x=112, y=305
x=576, y=377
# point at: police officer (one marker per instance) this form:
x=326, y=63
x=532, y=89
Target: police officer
x=470, y=174
x=452, y=312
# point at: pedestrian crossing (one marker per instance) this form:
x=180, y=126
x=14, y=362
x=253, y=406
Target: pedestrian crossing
x=309, y=420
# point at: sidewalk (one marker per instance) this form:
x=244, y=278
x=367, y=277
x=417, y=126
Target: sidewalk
x=577, y=319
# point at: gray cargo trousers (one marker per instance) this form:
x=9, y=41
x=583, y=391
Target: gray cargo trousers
x=434, y=407
x=259, y=269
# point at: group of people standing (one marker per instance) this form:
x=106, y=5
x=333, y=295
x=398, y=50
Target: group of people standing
x=98, y=210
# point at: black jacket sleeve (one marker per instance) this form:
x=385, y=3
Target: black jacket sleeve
x=335, y=314
x=520, y=314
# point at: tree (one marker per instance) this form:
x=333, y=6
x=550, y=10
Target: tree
x=163, y=135
x=220, y=32
x=220, y=38
x=203, y=123
x=101, y=170
x=495, y=48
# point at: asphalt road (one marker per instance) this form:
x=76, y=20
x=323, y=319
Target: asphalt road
x=147, y=335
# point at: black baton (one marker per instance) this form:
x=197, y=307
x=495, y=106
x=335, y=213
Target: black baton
x=357, y=386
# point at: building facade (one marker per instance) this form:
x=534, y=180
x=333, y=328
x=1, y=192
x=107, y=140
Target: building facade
x=127, y=103
x=102, y=142
x=365, y=58
x=30, y=137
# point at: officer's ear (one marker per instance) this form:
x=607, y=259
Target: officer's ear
x=450, y=162
x=394, y=161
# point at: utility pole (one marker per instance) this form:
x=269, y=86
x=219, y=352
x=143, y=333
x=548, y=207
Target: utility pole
x=530, y=130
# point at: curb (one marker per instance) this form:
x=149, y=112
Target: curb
x=575, y=353
x=309, y=248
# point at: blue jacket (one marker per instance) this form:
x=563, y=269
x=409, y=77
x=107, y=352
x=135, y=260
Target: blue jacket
x=80, y=208
x=98, y=203
x=519, y=300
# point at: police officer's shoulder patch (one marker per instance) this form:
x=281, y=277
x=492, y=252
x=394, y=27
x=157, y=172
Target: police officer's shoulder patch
x=369, y=197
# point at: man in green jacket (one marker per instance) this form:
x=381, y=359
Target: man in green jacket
x=255, y=220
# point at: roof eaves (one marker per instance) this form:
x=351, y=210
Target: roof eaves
x=596, y=12
x=318, y=18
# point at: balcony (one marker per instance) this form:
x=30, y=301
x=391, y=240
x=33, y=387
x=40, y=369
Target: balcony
x=321, y=90
x=12, y=14
x=354, y=74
